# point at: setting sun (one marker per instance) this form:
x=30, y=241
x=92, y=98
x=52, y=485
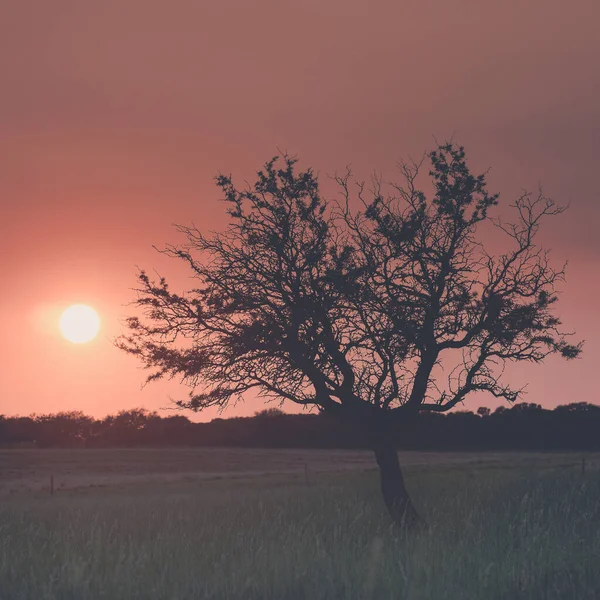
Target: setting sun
x=79, y=323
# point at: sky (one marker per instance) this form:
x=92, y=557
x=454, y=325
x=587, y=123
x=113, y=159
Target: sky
x=116, y=115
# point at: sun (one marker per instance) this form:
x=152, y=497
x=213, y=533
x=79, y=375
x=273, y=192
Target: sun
x=79, y=323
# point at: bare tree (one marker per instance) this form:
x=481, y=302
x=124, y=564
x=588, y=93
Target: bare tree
x=357, y=311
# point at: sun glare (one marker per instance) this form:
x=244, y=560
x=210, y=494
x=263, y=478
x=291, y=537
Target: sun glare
x=79, y=324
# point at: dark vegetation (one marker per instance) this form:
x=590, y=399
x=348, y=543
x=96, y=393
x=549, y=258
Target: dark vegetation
x=521, y=427
x=372, y=308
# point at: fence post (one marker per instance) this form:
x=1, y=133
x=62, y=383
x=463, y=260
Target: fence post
x=52, y=485
x=583, y=466
x=306, y=474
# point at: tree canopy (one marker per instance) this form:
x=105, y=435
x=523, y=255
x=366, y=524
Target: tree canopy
x=355, y=304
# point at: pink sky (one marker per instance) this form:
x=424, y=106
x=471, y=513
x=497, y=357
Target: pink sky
x=116, y=115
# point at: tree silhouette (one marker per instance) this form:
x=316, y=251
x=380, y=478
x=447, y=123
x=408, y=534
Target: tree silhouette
x=352, y=305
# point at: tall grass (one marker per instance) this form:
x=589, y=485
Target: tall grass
x=491, y=535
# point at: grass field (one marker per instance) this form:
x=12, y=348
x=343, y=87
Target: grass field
x=250, y=524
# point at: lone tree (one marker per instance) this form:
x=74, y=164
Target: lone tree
x=371, y=308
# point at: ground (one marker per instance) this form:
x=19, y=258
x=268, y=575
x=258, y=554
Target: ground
x=300, y=524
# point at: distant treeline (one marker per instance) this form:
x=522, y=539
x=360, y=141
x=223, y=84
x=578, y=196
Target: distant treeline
x=520, y=427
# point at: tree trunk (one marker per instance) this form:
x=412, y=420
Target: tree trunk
x=395, y=494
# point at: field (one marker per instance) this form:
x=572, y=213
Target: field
x=259, y=524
